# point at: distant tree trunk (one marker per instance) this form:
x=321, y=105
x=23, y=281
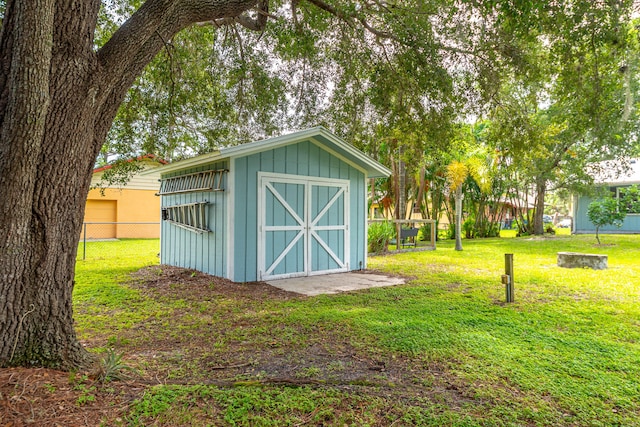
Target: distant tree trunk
x=58, y=98
x=436, y=205
x=458, y=202
x=422, y=183
x=372, y=211
x=482, y=219
x=402, y=186
x=538, y=222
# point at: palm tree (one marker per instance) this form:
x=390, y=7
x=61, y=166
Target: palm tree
x=457, y=173
x=475, y=166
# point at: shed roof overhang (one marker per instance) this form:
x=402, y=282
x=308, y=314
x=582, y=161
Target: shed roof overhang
x=317, y=135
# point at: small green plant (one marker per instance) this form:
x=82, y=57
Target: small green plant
x=605, y=211
x=113, y=368
x=378, y=236
x=49, y=387
x=80, y=383
x=335, y=366
x=115, y=341
x=310, y=372
x=473, y=228
x=76, y=380
x=483, y=227
x=86, y=396
x=522, y=227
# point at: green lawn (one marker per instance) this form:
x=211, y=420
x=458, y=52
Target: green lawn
x=101, y=299
x=566, y=353
x=570, y=343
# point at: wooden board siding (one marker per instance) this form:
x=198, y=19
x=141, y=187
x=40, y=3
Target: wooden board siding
x=302, y=159
x=631, y=224
x=204, y=252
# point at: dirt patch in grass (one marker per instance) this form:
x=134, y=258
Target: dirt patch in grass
x=226, y=334
x=45, y=397
x=175, y=282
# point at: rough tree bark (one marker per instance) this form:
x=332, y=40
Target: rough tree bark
x=538, y=219
x=58, y=98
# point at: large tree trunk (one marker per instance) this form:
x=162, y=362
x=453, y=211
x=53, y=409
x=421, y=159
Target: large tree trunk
x=58, y=98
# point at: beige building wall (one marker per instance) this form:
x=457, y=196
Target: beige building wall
x=135, y=203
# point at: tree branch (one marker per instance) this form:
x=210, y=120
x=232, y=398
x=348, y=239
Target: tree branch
x=260, y=22
x=294, y=13
x=134, y=33
x=349, y=18
x=123, y=58
x=167, y=48
x=255, y=24
x=166, y=17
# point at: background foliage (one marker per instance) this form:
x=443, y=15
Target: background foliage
x=529, y=92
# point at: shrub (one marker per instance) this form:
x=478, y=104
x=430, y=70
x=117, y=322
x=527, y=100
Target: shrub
x=450, y=232
x=378, y=236
x=522, y=226
x=442, y=234
x=605, y=212
x=425, y=232
x=113, y=368
x=468, y=228
x=487, y=229
x=473, y=228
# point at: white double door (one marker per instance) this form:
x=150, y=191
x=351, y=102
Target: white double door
x=303, y=226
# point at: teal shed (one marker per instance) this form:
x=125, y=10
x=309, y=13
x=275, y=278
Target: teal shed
x=294, y=205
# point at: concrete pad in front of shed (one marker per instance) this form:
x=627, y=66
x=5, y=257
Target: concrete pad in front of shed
x=335, y=283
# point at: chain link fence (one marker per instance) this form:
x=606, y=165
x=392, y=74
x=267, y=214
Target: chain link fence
x=103, y=240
